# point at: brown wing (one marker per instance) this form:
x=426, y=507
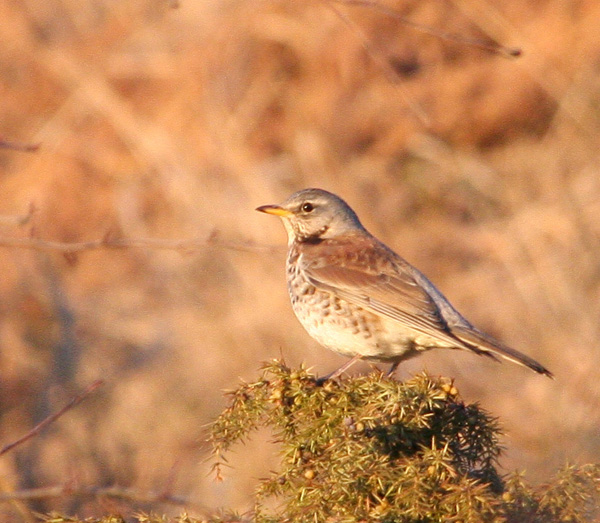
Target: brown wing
x=366, y=273
x=369, y=275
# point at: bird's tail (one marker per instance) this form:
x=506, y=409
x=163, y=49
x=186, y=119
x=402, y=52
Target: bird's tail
x=482, y=343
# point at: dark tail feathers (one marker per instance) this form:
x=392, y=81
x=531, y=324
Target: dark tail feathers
x=482, y=343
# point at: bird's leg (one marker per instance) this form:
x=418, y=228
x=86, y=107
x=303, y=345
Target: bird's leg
x=393, y=368
x=339, y=371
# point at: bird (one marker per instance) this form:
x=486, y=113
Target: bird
x=357, y=297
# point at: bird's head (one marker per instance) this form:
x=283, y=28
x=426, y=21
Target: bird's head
x=313, y=215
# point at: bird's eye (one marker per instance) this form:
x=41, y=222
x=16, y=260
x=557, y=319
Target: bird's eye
x=307, y=207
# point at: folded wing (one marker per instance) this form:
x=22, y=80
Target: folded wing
x=396, y=290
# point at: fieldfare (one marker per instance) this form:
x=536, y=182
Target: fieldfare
x=357, y=297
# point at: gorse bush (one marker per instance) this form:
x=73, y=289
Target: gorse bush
x=370, y=448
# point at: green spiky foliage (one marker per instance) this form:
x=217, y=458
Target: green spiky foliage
x=370, y=448
x=573, y=496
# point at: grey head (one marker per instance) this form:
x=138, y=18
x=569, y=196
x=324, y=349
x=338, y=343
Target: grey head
x=315, y=214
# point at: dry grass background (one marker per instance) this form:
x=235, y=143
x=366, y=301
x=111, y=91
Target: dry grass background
x=168, y=123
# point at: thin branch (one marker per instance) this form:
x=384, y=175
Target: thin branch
x=19, y=146
x=38, y=244
x=382, y=62
x=53, y=417
x=507, y=52
x=114, y=491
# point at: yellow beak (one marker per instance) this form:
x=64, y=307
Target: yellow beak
x=276, y=210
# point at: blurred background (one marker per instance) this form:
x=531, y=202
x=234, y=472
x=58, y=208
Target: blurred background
x=158, y=121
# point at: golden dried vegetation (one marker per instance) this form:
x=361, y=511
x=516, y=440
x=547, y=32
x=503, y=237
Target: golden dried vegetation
x=161, y=129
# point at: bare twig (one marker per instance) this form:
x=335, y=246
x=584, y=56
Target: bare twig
x=18, y=146
x=38, y=244
x=507, y=52
x=114, y=491
x=382, y=62
x=53, y=417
